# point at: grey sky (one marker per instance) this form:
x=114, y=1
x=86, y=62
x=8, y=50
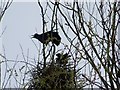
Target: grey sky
x=21, y=20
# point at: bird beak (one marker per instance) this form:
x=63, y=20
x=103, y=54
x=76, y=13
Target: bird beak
x=32, y=36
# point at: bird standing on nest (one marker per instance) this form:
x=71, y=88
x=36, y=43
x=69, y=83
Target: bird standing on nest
x=62, y=59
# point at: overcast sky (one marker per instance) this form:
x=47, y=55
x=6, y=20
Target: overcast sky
x=21, y=20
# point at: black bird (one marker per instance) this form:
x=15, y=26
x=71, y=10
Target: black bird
x=62, y=58
x=47, y=37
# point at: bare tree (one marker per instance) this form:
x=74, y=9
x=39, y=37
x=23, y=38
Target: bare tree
x=90, y=29
x=94, y=27
x=89, y=40
x=4, y=5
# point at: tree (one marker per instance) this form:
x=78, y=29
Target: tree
x=88, y=56
x=95, y=40
x=93, y=27
x=3, y=7
x=59, y=76
x=57, y=73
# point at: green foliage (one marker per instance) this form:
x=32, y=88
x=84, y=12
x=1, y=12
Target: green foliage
x=53, y=77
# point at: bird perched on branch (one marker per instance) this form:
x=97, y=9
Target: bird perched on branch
x=47, y=37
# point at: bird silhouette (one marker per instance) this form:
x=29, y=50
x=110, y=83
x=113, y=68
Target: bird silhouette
x=47, y=37
x=62, y=59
